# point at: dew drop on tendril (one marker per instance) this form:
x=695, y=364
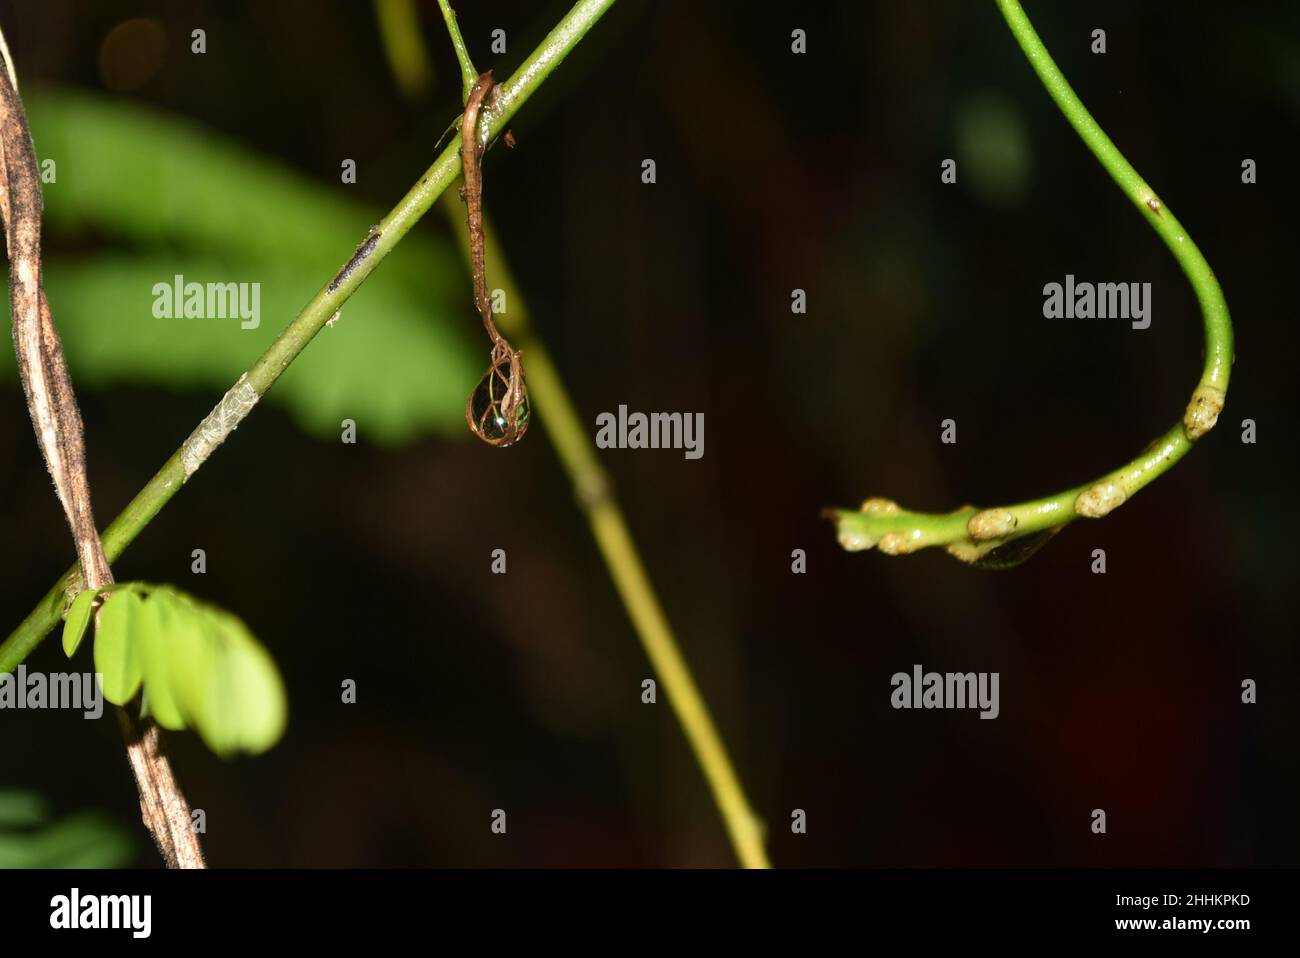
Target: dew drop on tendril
x=486, y=409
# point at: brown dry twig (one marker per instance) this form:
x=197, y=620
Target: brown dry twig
x=59, y=432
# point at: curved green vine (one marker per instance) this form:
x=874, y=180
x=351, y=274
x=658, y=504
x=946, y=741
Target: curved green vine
x=1006, y=535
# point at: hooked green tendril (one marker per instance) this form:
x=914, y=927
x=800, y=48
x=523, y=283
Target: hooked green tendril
x=1003, y=536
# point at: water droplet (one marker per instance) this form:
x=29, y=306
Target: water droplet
x=485, y=409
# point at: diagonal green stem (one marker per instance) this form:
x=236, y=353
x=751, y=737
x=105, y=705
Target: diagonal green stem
x=981, y=536
x=511, y=95
x=594, y=492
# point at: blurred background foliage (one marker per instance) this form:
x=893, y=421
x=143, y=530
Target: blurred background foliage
x=141, y=197
x=775, y=172
x=29, y=838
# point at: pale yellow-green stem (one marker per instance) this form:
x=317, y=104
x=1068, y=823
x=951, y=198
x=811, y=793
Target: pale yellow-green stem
x=554, y=411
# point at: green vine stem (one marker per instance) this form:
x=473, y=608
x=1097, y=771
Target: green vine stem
x=1002, y=535
x=243, y=396
x=594, y=492
x=468, y=75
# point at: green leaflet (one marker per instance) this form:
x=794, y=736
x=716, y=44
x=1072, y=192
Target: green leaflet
x=74, y=626
x=199, y=666
x=244, y=708
x=162, y=653
x=117, y=646
x=399, y=361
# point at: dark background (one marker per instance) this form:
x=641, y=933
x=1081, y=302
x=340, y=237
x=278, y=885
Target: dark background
x=775, y=171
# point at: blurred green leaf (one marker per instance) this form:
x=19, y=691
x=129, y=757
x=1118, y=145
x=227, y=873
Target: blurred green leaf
x=18, y=808
x=399, y=361
x=81, y=840
x=244, y=708
x=74, y=626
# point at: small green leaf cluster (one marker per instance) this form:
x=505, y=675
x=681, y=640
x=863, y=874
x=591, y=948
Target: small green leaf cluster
x=195, y=666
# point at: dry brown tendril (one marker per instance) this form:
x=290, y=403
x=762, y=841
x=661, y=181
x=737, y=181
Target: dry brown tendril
x=497, y=411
